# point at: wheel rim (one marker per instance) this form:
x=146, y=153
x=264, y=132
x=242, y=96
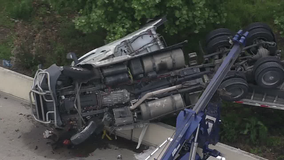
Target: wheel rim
x=270, y=78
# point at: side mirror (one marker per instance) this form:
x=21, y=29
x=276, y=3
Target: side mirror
x=73, y=57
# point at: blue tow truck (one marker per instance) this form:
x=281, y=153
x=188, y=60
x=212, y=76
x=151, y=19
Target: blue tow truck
x=199, y=127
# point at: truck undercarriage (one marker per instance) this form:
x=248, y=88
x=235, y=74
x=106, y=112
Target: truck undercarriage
x=138, y=79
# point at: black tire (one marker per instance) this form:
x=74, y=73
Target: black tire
x=92, y=128
x=218, y=42
x=77, y=73
x=258, y=25
x=249, y=76
x=264, y=60
x=218, y=32
x=269, y=75
x=260, y=34
x=233, y=89
x=235, y=74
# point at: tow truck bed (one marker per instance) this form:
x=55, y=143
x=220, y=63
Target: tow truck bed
x=267, y=98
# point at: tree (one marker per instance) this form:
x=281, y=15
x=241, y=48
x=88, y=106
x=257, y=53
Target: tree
x=120, y=17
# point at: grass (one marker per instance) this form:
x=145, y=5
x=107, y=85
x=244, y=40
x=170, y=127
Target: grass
x=6, y=7
x=6, y=47
x=6, y=26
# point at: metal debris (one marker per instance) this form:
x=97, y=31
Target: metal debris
x=119, y=156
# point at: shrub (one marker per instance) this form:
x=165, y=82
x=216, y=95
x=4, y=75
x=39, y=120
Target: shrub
x=279, y=22
x=6, y=48
x=22, y=10
x=119, y=17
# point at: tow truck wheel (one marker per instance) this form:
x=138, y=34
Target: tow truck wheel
x=218, y=32
x=233, y=89
x=269, y=75
x=260, y=34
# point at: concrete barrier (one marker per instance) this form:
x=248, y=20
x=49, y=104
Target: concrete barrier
x=15, y=83
x=19, y=85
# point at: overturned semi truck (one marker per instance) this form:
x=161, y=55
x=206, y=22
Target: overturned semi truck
x=137, y=79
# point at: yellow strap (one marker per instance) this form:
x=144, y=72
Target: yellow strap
x=130, y=75
x=105, y=134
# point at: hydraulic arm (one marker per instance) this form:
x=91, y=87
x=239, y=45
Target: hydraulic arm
x=191, y=124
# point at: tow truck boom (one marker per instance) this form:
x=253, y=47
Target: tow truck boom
x=189, y=121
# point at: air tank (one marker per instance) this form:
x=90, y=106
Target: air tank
x=166, y=105
x=169, y=60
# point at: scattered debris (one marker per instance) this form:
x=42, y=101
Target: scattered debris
x=36, y=147
x=6, y=63
x=17, y=130
x=47, y=134
x=19, y=136
x=21, y=114
x=119, y=156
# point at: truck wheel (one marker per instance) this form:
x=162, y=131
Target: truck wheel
x=233, y=89
x=218, y=32
x=218, y=43
x=258, y=25
x=235, y=74
x=269, y=75
x=257, y=34
x=93, y=128
x=264, y=60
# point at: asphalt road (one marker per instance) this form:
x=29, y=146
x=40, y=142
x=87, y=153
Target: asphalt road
x=21, y=139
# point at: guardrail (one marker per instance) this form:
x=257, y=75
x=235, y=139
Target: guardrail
x=19, y=85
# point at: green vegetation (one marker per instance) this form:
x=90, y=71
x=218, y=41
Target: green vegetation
x=44, y=31
x=259, y=128
x=6, y=47
x=119, y=17
x=5, y=8
x=23, y=10
x=6, y=37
